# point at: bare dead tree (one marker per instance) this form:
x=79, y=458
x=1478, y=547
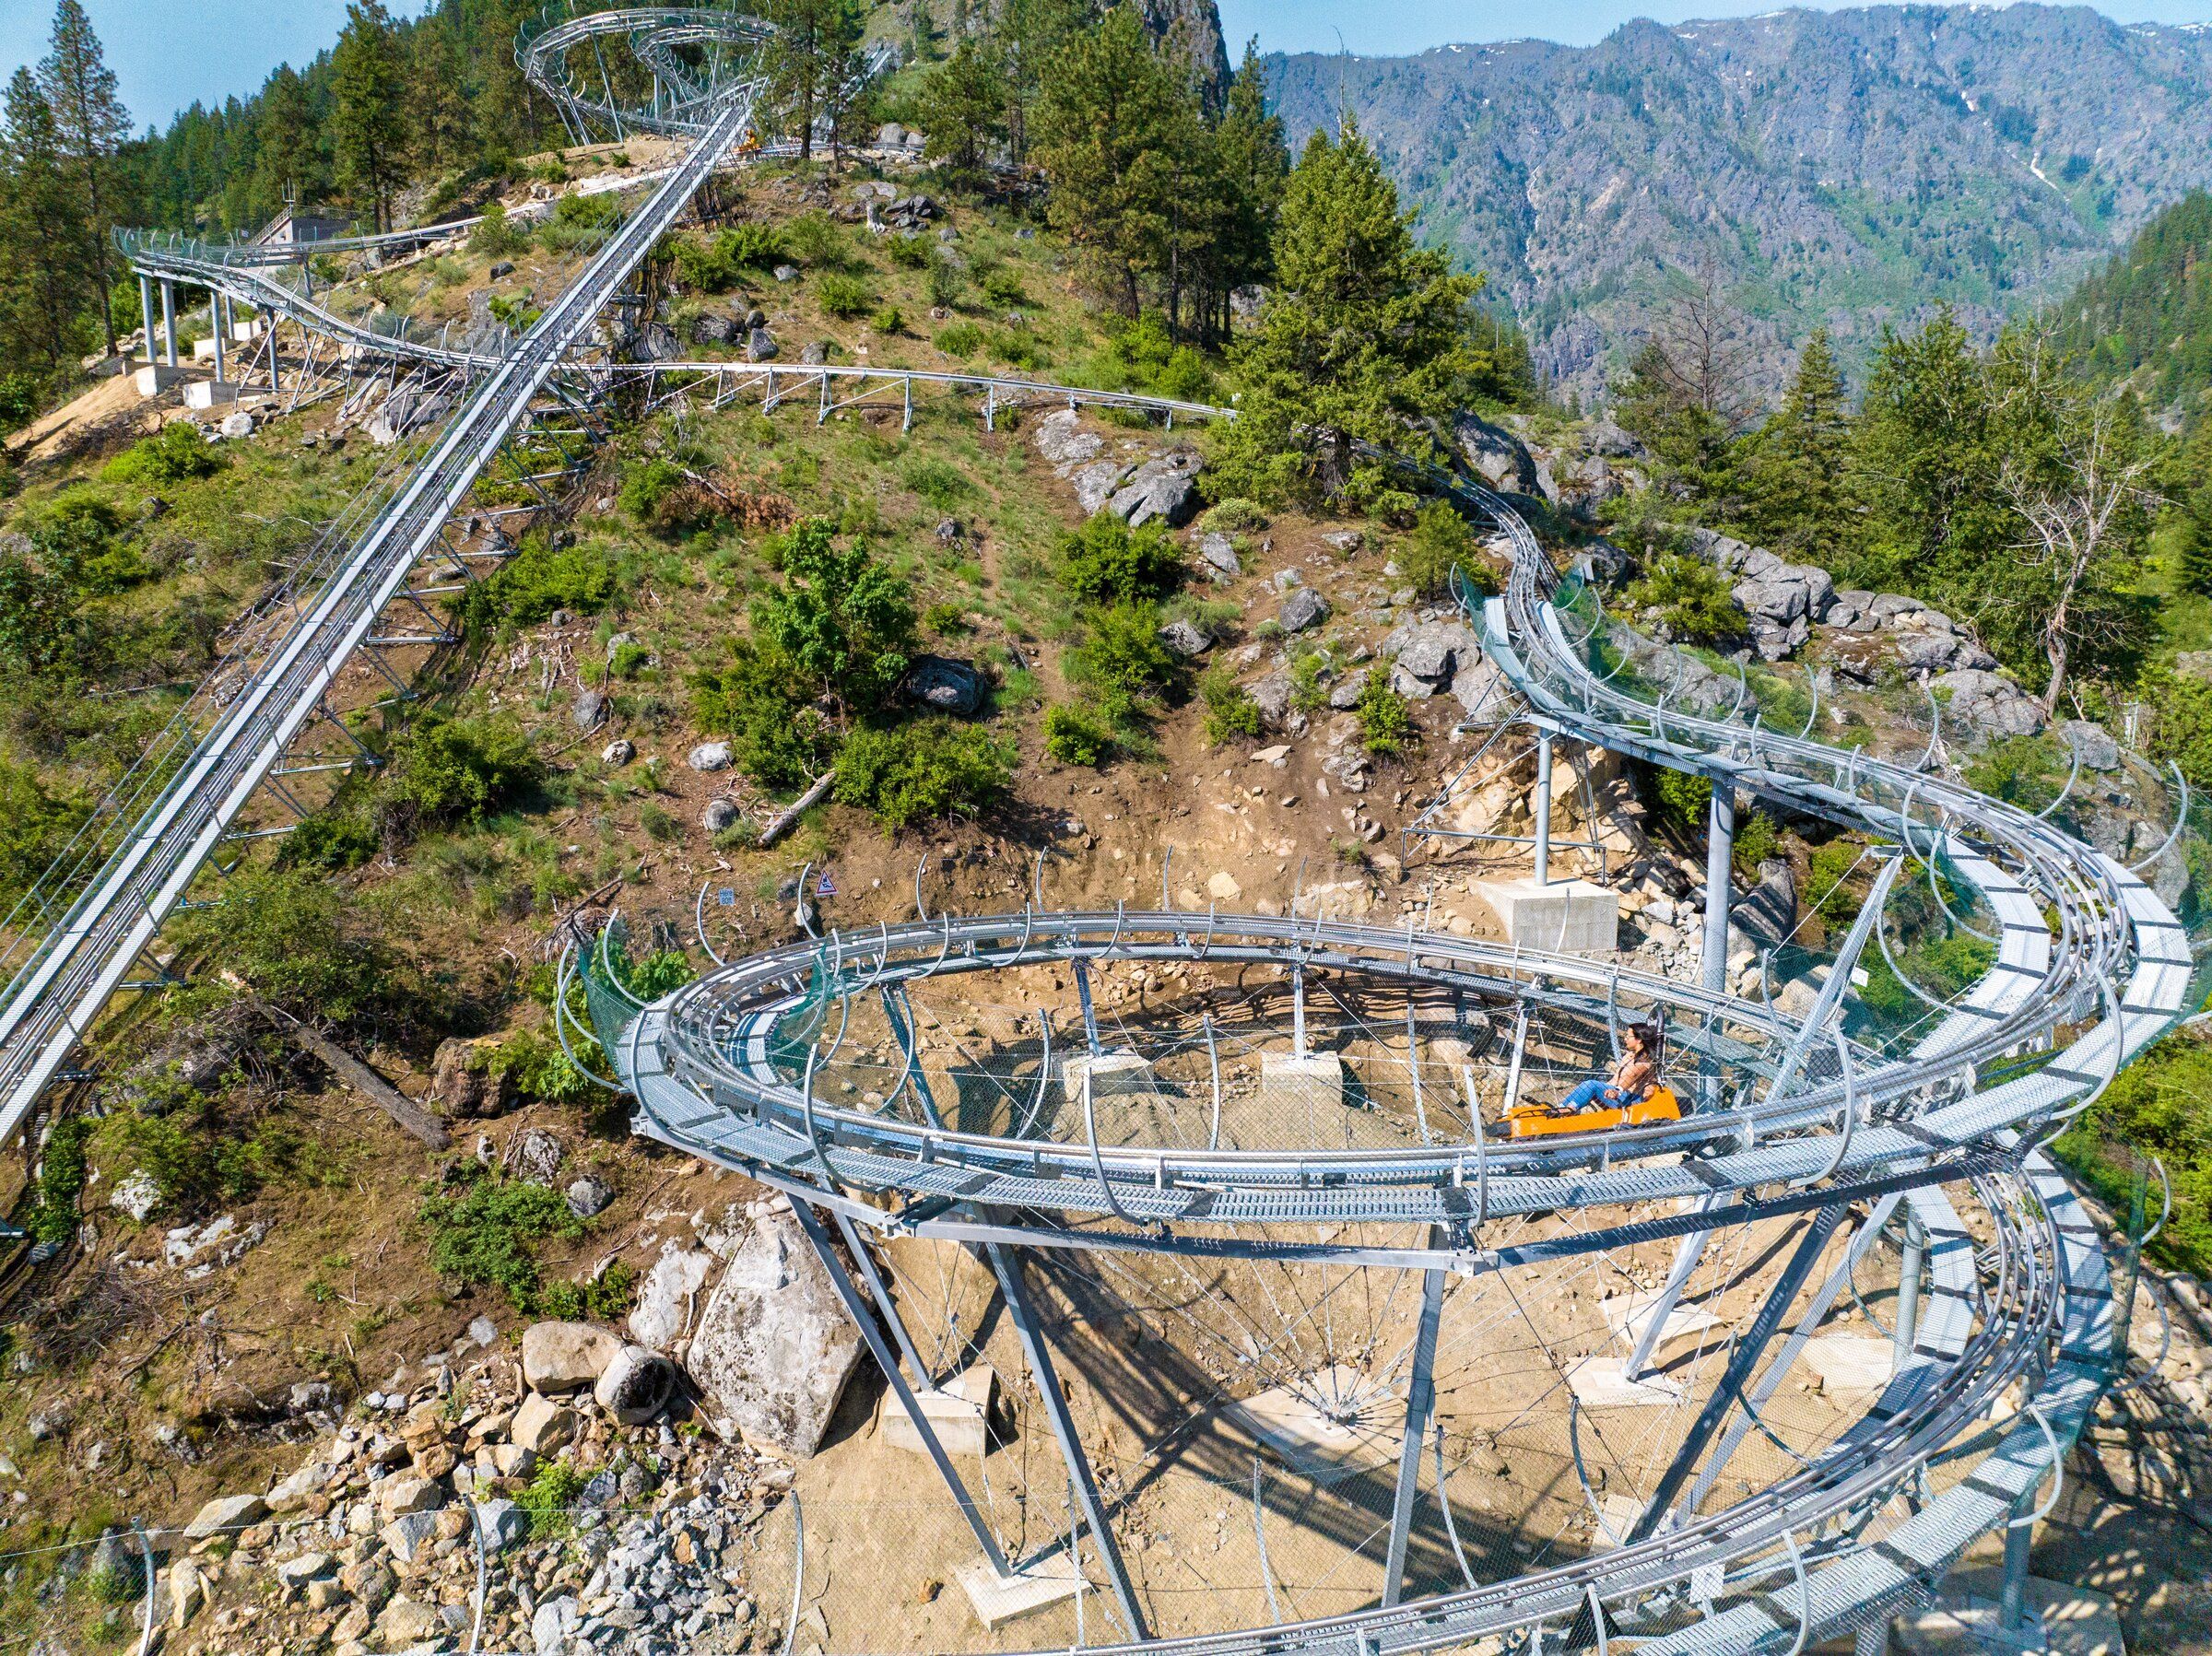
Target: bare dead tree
x=2074, y=509
x=1702, y=355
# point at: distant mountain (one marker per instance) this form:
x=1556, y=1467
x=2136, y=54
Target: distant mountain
x=2147, y=316
x=1846, y=168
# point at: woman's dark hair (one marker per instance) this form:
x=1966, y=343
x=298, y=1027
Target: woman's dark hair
x=1648, y=1037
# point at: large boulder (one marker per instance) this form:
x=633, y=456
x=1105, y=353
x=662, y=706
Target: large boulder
x=661, y=1315
x=636, y=1386
x=1165, y=487
x=2096, y=746
x=946, y=685
x=566, y=1356
x=1985, y=708
x=1495, y=456
x=1096, y=483
x=464, y=1080
x=408, y=409
x=1060, y=439
x=775, y=1347
x=1304, y=608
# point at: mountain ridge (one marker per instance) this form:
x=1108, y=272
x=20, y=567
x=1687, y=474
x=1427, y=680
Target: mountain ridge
x=1847, y=169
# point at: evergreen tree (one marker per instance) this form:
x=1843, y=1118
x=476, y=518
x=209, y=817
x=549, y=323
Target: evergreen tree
x=962, y=108
x=1105, y=120
x=1793, y=476
x=444, y=127
x=1255, y=169
x=46, y=276
x=92, y=125
x=813, y=51
x=370, y=126
x=289, y=162
x=2193, y=549
x=1363, y=338
x=1030, y=35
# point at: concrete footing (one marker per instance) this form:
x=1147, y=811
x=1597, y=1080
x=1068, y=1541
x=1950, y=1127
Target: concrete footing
x=1288, y=1081
x=1565, y=916
x=999, y=1600
x=1112, y=1074
x=2066, y=1620
x=157, y=377
x=209, y=393
x=1851, y=1369
x=1334, y=1423
x=1601, y=1382
x=1689, y=1328
x=958, y=1413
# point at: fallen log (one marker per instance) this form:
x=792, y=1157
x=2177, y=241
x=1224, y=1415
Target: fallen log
x=783, y=821
x=410, y=1116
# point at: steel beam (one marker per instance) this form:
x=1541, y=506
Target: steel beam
x=1006, y=1267
x=1420, y=1403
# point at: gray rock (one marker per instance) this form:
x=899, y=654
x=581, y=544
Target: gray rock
x=1302, y=609
x=1164, y=488
x=787, y=273
x=503, y=1525
x=636, y=1386
x=1604, y=438
x=946, y=686
x=1768, y=913
x=775, y=1347
x=1219, y=554
x=709, y=756
x=1060, y=438
x=552, y=1625
x=240, y=424
x=1431, y=652
x=591, y=708
x=719, y=815
x=1484, y=691
x=565, y=1357
x=755, y=318
x=1273, y=696
x=620, y=751
x=1495, y=456
x=1345, y=694
x=2096, y=746
x=1985, y=708
x=1853, y=611
x=1096, y=483
x=500, y=267
x=760, y=347
x=587, y=1196
x=1344, y=540
x=710, y=329
x=1185, y=639
x=226, y=1512
x=890, y=135
x=1887, y=607
x=408, y=409
x=409, y=1533
x=814, y=353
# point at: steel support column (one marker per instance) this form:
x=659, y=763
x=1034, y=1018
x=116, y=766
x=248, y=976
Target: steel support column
x=217, y=326
x=1907, y=1331
x=1420, y=1403
x=856, y=1308
x=146, y=313
x=1687, y=1253
x=1008, y=1268
x=1543, y=804
x=1720, y=847
x=1739, y=1368
x=168, y=322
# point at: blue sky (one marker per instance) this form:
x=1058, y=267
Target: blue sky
x=167, y=53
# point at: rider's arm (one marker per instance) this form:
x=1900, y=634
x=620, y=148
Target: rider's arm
x=1632, y=1073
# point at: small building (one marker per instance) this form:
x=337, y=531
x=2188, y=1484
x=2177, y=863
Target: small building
x=296, y=228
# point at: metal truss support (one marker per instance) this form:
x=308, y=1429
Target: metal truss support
x=1420, y=1403
x=1686, y=1254
x=1543, y=803
x=1090, y=1017
x=887, y=1360
x=168, y=322
x=1907, y=1331
x=1720, y=847
x=1008, y=1268
x=1740, y=1364
x=146, y=312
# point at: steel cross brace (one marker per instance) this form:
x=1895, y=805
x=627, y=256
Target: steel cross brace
x=1420, y=1403
x=1739, y=1368
x=887, y=1360
x=1008, y=1268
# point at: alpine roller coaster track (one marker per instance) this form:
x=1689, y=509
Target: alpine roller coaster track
x=1796, y=1121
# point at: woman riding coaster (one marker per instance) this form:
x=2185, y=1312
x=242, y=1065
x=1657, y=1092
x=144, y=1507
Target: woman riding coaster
x=1634, y=1073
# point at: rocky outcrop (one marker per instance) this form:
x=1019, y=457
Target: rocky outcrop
x=1495, y=456
x=1164, y=488
x=773, y=1347
x=1160, y=485
x=1782, y=600
x=946, y=686
x=565, y=1357
x=1985, y=708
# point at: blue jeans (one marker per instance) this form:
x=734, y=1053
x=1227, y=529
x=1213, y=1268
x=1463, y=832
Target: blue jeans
x=1594, y=1093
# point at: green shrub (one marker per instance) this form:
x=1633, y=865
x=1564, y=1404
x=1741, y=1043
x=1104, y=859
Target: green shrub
x=1076, y=736
x=1230, y=708
x=917, y=772
x=487, y=1235
x=2156, y=1107
x=1232, y=516
x=535, y=1065
x=34, y=826
x=538, y=580
x=1440, y=542
x=817, y=239
x=1385, y=716
x=939, y=483
x=945, y=290
x=1757, y=840
x=298, y=941
x=1829, y=883
x=908, y=252
x=1106, y=561
x=1684, y=799
x=495, y=235
x=1692, y=599
x=176, y=453
x=1017, y=348
x=1122, y=658
x=662, y=495
x=2027, y=772
x=960, y=339
x=53, y=1213
x=843, y=296
x=842, y=623
x=1003, y=288
x=717, y=265
x=758, y=701
x=549, y=1498
x=604, y=1297
x=455, y=771
x=889, y=319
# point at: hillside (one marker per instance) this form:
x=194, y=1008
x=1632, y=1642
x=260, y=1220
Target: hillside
x=2148, y=313
x=1844, y=169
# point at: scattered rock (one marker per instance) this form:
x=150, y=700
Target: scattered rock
x=503, y=1525
x=565, y=1357
x=1986, y=706
x=240, y=424
x=1345, y=541
x=1165, y=487
x=709, y=756
x=1185, y=639
x=1272, y=694
x=2096, y=745
x=1302, y=609
x=463, y=1082
x=1223, y=886
x=719, y=815
x=760, y=347
x=405, y=1624
x=591, y=708
x=1495, y=456
x=409, y=1533
x=226, y=1513
x=542, y=1425
x=786, y=273
x=1346, y=693
x=636, y=1386
x=1219, y=554
x=1060, y=439
x=137, y=1195
x=709, y=329
x=620, y=751
x=945, y=684
x=661, y=1313
x=587, y=1197
x=536, y=1155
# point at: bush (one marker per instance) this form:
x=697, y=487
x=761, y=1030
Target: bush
x=1122, y=658
x=1017, y=348
x=549, y=1498
x=1230, y=708
x=1106, y=561
x=539, y=580
x=299, y=943
x=1440, y=543
x=817, y=239
x=1684, y=800
x=455, y=771
x=662, y=495
x=537, y=1067
x=960, y=339
x=759, y=702
x=497, y=235
x=1386, y=727
x=487, y=1235
x=889, y=319
x=843, y=296
x=53, y=1214
x=1692, y=599
x=717, y=265
x=1232, y=516
x=917, y=772
x=176, y=453
x=1757, y=840
x=1076, y=736
x=842, y=622
x=907, y=252
x=1003, y=288
x=937, y=483
x=945, y=287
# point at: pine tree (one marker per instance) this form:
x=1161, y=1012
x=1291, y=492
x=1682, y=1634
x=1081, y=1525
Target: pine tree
x=46, y=274
x=289, y=163
x=370, y=126
x=92, y=125
x=1107, y=113
x=1255, y=167
x=1362, y=339
x=961, y=109
x=1030, y=35
x=813, y=52
x=1793, y=476
x=444, y=133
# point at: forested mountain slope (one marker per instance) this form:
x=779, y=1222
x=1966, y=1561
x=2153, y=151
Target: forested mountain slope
x=1846, y=169
x=2148, y=314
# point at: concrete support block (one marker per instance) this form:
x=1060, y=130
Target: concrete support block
x=1851, y=1369
x=959, y=1412
x=999, y=1600
x=2068, y=1620
x=203, y=348
x=209, y=393
x=1288, y=1081
x=1602, y=1382
x=1689, y=1328
x=1565, y=917
x=1328, y=1426
x=156, y=378
x=1112, y=1074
